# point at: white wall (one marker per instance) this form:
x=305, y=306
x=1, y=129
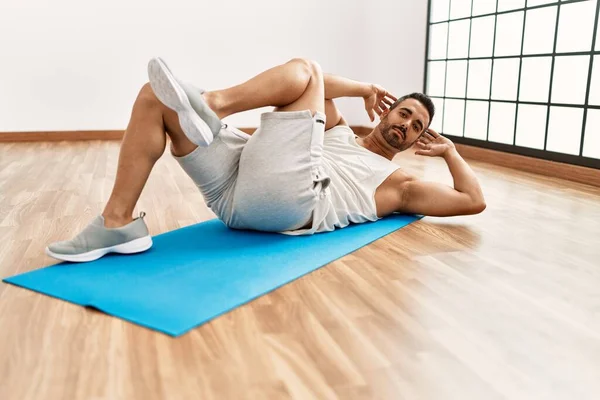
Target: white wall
x=78, y=65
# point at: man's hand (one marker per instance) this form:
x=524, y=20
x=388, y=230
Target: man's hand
x=436, y=199
x=377, y=101
x=433, y=144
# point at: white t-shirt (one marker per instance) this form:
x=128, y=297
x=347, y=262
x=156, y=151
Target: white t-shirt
x=355, y=174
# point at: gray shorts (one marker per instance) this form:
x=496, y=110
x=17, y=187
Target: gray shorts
x=270, y=181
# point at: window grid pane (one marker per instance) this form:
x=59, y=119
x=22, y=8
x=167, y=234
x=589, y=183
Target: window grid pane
x=576, y=26
x=502, y=122
x=539, y=30
x=564, y=130
x=591, y=146
x=531, y=126
x=505, y=79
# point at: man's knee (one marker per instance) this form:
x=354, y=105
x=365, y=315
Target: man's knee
x=146, y=90
x=309, y=68
x=147, y=97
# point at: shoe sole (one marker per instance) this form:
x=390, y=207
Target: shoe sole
x=134, y=246
x=172, y=95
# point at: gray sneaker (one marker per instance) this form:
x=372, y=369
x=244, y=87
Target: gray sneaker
x=96, y=240
x=199, y=123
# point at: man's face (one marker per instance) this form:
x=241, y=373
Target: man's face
x=403, y=125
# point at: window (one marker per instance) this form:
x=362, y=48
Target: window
x=521, y=76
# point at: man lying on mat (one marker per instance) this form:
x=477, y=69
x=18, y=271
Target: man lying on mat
x=303, y=171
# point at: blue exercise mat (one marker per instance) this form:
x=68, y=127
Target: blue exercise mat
x=194, y=274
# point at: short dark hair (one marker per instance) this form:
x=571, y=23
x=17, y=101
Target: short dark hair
x=422, y=98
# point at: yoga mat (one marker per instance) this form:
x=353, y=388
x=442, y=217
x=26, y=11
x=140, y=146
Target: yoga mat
x=194, y=274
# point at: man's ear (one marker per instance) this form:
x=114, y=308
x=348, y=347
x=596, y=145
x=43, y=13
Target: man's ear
x=384, y=113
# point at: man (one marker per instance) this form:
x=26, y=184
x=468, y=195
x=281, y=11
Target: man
x=302, y=172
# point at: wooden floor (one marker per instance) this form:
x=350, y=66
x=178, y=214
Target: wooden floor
x=502, y=305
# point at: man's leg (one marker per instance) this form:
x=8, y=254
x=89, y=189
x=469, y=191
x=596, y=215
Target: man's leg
x=278, y=190
x=295, y=85
x=143, y=144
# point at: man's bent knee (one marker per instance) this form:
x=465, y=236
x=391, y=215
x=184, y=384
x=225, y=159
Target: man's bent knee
x=309, y=67
x=146, y=90
x=147, y=97
x=315, y=68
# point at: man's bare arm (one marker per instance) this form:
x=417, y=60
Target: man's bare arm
x=338, y=86
x=376, y=98
x=464, y=177
x=435, y=199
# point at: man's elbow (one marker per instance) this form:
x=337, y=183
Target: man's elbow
x=478, y=207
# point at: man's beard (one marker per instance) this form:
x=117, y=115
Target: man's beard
x=391, y=137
